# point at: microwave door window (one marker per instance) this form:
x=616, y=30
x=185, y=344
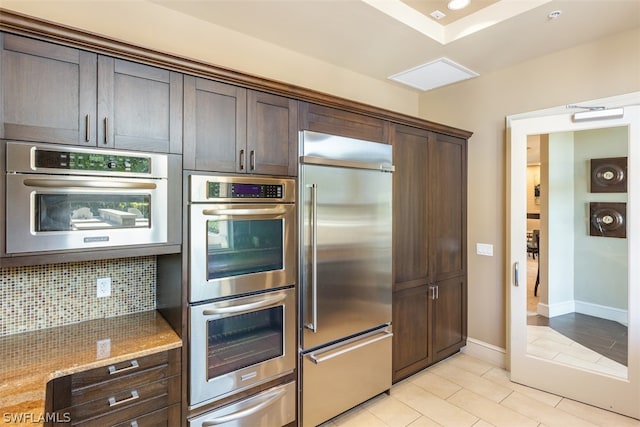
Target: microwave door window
x=238, y=247
x=71, y=212
x=243, y=340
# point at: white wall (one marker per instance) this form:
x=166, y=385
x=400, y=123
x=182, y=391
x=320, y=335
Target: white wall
x=556, y=240
x=600, y=262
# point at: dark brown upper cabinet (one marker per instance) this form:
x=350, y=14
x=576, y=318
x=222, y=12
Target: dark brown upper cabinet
x=58, y=94
x=334, y=121
x=235, y=130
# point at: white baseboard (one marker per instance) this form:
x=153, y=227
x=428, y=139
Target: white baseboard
x=602, y=311
x=590, y=309
x=487, y=352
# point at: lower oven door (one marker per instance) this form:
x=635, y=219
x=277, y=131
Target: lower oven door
x=239, y=343
x=273, y=408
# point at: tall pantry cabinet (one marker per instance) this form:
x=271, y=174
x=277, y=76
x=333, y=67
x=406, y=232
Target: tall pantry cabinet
x=429, y=289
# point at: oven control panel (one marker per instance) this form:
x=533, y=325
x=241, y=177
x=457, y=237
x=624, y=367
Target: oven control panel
x=235, y=190
x=88, y=161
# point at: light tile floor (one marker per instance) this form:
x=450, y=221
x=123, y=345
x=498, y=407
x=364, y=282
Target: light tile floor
x=465, y=391
x=546, y=343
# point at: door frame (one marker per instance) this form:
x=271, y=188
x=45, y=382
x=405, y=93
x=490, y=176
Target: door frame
x=608, y=392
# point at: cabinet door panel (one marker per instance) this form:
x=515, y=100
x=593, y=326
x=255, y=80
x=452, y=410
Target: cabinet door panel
x=271, y=134
x=447, y=174
x=334, y=121
x=449, y=317
x=49, y=92
x=411, y=331
x=215, y=125
x=142, y=106
x=410, y=156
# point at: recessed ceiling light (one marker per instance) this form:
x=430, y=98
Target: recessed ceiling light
x=458, y=4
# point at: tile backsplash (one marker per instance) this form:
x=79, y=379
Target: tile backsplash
x=44, y=296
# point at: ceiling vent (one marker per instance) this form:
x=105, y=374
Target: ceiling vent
x=431, y=75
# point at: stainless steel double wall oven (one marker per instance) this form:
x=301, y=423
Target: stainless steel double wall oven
x=242, y=301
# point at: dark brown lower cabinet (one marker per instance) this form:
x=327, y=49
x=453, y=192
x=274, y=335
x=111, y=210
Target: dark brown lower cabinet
x=411, y=330
x=144, y=391
x=449, y=317
x=429, y=324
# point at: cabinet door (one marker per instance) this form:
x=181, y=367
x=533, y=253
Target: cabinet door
x=449, y=317
x=447, y=211
x=334, y=121
x=410, y=222
x=272, y=129
x=139, y=107
x=411, y=331
x=215, y=136
x=48, y=92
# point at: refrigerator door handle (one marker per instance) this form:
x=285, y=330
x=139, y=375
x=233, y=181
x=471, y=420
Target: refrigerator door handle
x=350, y=346
x=313, y=326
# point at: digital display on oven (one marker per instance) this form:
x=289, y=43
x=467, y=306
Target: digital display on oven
x=235, y=190
x=246, y=190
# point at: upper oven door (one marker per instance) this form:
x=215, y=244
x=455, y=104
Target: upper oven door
x=57, y=212
x=240, y=248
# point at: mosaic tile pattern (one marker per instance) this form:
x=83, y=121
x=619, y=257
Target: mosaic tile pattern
x=44, y=296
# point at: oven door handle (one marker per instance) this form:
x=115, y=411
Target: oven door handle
x=268, y=399
x=104, y=184
x=262, y=212
x=266, y=302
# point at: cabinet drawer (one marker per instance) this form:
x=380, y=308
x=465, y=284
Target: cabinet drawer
x=127, y=404
x=116, y=370
x=116, y=386
x=165, y=417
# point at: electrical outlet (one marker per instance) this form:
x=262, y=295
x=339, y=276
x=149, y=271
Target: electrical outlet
x=103, y=287
x=103, y=348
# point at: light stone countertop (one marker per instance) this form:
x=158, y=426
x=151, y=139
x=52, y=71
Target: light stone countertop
x=28, y=361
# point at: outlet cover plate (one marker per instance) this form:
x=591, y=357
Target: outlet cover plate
x=103, y=287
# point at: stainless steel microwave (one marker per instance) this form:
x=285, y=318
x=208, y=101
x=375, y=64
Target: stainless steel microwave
x=69, y=198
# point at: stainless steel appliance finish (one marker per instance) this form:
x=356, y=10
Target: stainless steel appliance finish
x=273, y=407
x=345, y=218
x=239, y=343
x=61, y=198
x=242, y=235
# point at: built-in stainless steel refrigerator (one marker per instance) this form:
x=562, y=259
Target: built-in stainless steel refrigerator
x=345, y=273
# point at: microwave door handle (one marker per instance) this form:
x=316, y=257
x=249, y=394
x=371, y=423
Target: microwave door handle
x=267, y=400
x=265, y=302
x=102, y=184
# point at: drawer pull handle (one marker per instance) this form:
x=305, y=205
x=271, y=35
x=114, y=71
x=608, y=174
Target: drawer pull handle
x=113, y=402
x=113, y=370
